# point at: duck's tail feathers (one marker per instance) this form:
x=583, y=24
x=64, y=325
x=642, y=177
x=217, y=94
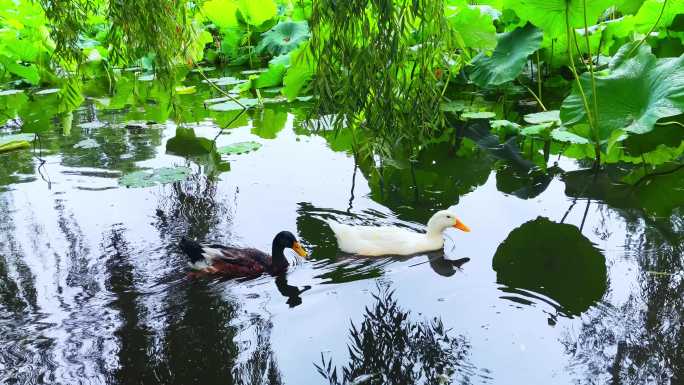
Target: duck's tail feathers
x=192, y=249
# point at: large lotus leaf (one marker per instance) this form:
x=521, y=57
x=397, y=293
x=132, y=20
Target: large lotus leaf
x=299, y=74
x=221, y=12
x=256, y=12
x=475, y=28
x=651, y=10
x=551, y=15
x=284, y=37
x=152, y=178
x=508, y=58
x=633, y=96
x=555, y=260
x=629, y=7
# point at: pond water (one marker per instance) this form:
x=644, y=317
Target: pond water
x=572, y=278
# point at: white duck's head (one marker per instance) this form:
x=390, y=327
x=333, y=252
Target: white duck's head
x=442, y=220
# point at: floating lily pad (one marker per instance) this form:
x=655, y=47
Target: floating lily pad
x=239, y=148
x=253, y=72
x=146, y=78
x=232, y=105
x=150, y=178
x=543, y=117
x=15, y=142
x=453, y=106
x=92, y=125
x=568, y=137
x=479, y=115
x=183, y=90
x=87, y=144
x=224, y=81
x=47, y=91
x=536, y=129
x=497, y=124
x=10, y=92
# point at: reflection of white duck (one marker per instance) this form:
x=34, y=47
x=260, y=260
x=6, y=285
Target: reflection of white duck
x=391, y=240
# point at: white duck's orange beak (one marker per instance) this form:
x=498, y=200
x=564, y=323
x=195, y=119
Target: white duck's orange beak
x=297, y=247
x=461, y=226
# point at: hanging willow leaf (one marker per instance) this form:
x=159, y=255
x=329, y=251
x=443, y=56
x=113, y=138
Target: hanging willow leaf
x=508, y=58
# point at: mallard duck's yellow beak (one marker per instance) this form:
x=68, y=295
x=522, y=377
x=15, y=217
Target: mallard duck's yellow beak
x=459, y=225
x=297, y=247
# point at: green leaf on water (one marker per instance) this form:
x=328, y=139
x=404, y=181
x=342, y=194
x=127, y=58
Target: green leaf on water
x=478, y=115
x=232, y=106
x=562, y=135
x=543, y=117
x=453, y=106
x=150, y=178
x=239, y=148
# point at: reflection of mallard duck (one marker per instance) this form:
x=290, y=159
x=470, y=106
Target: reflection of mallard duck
x=391, y=240
x=241, y=262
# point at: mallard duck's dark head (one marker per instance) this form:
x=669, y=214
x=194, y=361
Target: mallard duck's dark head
x=286, y=240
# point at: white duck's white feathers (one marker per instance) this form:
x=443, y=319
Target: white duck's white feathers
x=391, y=240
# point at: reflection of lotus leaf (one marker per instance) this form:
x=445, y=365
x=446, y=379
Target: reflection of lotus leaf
x=154, y=177
x=186, y=143
x=555, y=260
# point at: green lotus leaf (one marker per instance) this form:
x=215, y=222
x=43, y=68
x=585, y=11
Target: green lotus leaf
x=508, y=58
x=257, y=12
x=555, y=260
x=475, y=28
x=15, y=142
x=552, y=116
x=453, y=106
x=537, y=129
x=478, y=115
x=239, y=148
x=551, y=15
x=150, y=178
x=283, y=37
x=568, y=137
x=232, y=105
x=633, y=96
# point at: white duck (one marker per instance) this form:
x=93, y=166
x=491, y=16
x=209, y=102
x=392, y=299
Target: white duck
x=391, y=240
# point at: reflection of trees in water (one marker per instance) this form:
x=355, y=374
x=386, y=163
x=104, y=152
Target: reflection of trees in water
x=390, y=348
x=191, y=209
x=261, y=368
x=642, y=340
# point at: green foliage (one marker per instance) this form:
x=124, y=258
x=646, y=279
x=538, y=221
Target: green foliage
x=376, y=67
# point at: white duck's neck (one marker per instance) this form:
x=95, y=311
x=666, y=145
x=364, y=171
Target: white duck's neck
x=434, y=231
